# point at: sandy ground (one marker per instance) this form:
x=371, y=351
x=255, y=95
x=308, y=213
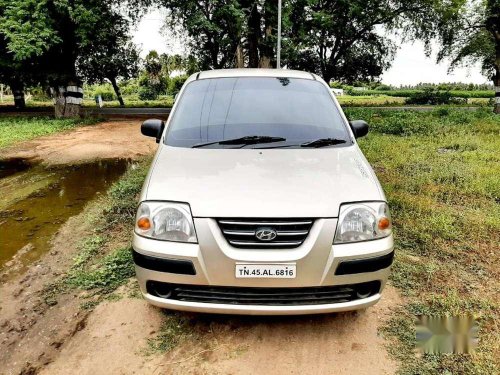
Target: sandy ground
x=107, y=140
x=63, y=338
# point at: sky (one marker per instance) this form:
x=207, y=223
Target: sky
x=409, y=67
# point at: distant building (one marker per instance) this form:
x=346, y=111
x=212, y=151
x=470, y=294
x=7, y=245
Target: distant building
x=360, y=88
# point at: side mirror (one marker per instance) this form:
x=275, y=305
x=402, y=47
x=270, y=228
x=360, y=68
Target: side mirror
x=153, y=128
x=359, y=128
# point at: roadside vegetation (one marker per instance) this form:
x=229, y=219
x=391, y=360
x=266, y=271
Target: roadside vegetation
x=440, y=173
x=17, y=129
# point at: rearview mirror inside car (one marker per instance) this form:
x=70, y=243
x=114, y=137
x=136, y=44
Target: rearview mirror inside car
x=359, y=128
x=153, y=128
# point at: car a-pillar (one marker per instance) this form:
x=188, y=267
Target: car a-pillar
x=68, y=100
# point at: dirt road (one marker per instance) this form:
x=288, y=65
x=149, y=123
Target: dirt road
x=107, y=140
x=61, y=337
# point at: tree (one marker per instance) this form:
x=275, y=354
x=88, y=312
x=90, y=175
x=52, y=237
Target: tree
x=227, y=33
x=468, y=32
x=14, y=73
x=342, y=40
x=112, y=57
x=56, y=34
x=10, y=73
x=152, y=81
x=336, y=39
x=213, y=27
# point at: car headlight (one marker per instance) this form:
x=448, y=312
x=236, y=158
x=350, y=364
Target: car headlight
x=363, y=222
x=165, y=221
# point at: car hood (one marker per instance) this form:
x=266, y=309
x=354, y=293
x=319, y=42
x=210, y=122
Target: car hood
x=262, y=183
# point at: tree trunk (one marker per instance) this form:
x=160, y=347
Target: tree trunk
x=496, y=107
x=240, y=58
x=270, y=22
x=17, y=88
x=253, y=37
x=266, y=52
x=496, y=78
x=68, y=101
x=117, y=91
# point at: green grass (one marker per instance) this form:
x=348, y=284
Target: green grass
x=175, y=328
x=408, y=92
x=382, y=100
x=370, y=100
x=17, y=129
x=132, y=101
x=440, y=171
x=110, y=273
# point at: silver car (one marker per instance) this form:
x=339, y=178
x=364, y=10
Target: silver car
x=259, y=201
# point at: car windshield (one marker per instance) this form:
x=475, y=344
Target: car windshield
x=248, y=111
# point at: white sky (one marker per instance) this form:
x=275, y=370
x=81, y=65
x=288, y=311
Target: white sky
x=410, y=65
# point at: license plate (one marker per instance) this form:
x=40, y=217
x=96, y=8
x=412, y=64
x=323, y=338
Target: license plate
x=266, y=271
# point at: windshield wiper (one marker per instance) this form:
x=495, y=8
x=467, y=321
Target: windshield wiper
x=247, y=140
x=322, y=142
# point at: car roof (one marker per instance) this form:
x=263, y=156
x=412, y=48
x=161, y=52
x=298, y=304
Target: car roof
x=251, y=72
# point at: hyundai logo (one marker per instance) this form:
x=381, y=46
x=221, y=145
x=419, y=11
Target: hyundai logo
x=266, y=234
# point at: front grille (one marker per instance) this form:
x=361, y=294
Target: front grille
x=263, y=296
x=241, y=233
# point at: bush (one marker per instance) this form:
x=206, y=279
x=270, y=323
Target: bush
x=175, y=84
x=383, y=88
x=150, y=87
x=430, y=96
x=147, y=93
x=130, y=87
x=106, y=92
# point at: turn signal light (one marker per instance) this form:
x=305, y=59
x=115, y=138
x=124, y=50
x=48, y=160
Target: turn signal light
x=384, y=223
x=144, y=223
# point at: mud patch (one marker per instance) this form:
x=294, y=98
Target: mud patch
x=27, y=223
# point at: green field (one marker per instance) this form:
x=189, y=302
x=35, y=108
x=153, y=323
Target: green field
x=440, y=171
x=380, y=99
x=408, y=92
x=130, y=101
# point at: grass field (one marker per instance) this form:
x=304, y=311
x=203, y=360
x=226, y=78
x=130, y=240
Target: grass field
x=370, y=100
x=381, y=100
x=17, y=129
x=133, y=102
x=440, y=172
x=389, y=101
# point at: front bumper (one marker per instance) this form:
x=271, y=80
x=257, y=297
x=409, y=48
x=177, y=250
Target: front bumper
x=212, y=262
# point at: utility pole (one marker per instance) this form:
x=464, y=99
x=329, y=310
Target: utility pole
x=278, y=48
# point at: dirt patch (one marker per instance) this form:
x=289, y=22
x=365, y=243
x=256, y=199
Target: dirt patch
x=112, y=341
x=115, y=337
x=107, y=140
x=345, y=343
x=32, y=331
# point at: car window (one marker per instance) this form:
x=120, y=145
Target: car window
x=211, y=110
